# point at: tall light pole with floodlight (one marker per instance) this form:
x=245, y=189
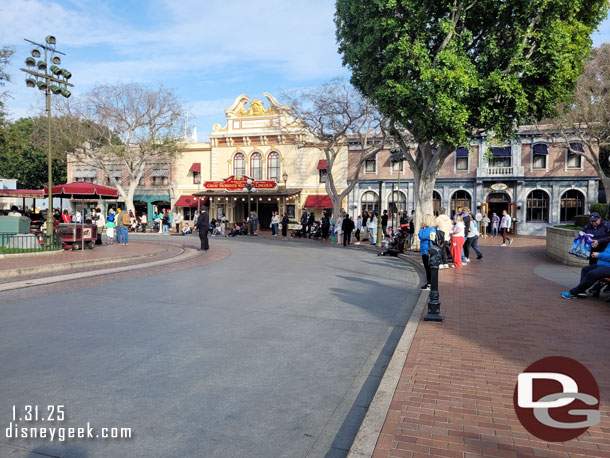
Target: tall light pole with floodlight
x=57, y=83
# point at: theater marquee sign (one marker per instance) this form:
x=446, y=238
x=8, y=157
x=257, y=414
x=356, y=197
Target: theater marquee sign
x=238, y=184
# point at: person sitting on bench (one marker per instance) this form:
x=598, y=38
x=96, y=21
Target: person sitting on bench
x=591, y=274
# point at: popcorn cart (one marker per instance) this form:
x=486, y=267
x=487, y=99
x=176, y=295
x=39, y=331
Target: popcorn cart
x=75, y=236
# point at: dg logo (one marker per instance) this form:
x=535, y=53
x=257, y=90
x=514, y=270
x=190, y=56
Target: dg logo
x=557, y=399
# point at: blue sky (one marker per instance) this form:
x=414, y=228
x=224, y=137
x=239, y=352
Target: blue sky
x=208, y=51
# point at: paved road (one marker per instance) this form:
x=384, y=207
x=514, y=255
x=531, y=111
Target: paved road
x=274, y=351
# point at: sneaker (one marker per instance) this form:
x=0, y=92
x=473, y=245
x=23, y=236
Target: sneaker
x=452, y=266
x=581, y=295
x=442, y=266
x=503, y=244
x=566, y=295
x=425, y=287
x=510, y=241
x=445, y=266
x=479, y=257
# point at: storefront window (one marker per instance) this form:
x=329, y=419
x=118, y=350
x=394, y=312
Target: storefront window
x=273, y=167
x=460, y=199
x=369, y=202
x=398, y=202
x=239, y=166
x=537, y=206
x=256, y=166
x=572, y=204
x=436, y=202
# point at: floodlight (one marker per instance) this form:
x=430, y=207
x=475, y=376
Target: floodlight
x=56, y=60
x=42, y=85
x=30, y=82
x=50, y=39
x=66, y=93
x=66, y=74
x=41, y=65
x=55, y=70
x=55, y=90
x=30, y=62
x=36, y=53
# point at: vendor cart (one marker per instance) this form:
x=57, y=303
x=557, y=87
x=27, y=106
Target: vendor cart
x=75, y=236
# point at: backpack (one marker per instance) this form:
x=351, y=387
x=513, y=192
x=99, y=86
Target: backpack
x=125, y=219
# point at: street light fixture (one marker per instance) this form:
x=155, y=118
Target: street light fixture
x=42, y=80
x=249, y=188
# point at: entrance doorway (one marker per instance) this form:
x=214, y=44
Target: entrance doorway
x=265, y=213
x=498, y=201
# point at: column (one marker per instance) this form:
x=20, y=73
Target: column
x=149, y=213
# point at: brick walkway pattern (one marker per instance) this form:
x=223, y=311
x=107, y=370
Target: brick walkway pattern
x=455, y=395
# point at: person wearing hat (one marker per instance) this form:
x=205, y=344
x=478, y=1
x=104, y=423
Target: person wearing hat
x=600, y=232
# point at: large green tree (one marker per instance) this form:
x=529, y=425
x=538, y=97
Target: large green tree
x=5, y=57
x=444, y=70
x=23, y=154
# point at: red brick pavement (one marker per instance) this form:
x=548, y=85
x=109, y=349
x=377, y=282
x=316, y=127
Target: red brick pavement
x=454, y=397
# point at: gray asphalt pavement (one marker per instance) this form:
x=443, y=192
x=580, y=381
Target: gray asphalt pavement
x=275, y=351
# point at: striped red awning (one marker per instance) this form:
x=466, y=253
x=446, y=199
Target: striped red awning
x=318, y=202
x=190, y=201
x=196, y=167
x=322, y=164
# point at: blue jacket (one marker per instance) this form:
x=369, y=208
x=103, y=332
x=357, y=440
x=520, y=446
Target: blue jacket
x=424, y=238
x=604, y=257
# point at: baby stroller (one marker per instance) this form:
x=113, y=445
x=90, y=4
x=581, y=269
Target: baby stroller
x=299, y=233
x=316, y=230
x=394, y=246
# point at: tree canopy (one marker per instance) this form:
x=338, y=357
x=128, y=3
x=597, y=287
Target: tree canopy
x=5, y=57
x=444, y=69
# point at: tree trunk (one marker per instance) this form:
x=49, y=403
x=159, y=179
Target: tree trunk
x=424, y=188
x=129, y=198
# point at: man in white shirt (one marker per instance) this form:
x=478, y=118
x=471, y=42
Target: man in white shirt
x=14, y=211
x=505, y=228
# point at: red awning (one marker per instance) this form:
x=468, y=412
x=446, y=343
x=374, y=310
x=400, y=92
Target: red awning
x=28, y=193
x=196, y=167
x=322, y=164
x=318, y=202
x=83, y=190
x=190, y=201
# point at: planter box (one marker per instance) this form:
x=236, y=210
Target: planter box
x=558, y=244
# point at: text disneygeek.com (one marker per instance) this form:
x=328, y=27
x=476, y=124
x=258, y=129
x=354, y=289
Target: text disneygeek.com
x=23, y=418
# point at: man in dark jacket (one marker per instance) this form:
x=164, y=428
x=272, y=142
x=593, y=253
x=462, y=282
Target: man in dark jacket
x=285, y=225
x=600, y=230
x=384, y=223
x=203, y=225
x=347, y=227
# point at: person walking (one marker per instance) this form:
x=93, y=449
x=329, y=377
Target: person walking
x=310, y=221
x=443, y=223
x=457, y=241
x=100, y=221
x=372, y=226
x=285, y=225
x=177, y=220
x=473, y=239
x=358, y=229
x=467, y=217
x=254, y=218
x=325, y=225
x=165, y=221
x=203, y=226
x=505, y=228
x=348, y=227
x=495, y=223
x=365, y=229
x=426, y=234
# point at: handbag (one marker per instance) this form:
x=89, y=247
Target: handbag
x=581, y=246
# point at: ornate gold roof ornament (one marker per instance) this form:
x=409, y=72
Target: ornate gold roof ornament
x=257, y=108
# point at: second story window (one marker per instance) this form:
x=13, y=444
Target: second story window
x=370, y=165
x=160, y=181
x=501, y=157
x=323, y=175
x=461, y=159
x=574, y=160
x=196, y=177
x=256, y=166
x=239, y=165
x=273, y=166
x=539, y=153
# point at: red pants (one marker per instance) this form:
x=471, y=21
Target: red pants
x=456, y=250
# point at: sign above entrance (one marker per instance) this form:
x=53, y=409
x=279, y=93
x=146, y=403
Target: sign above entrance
x=498, y=187
x=238, y=184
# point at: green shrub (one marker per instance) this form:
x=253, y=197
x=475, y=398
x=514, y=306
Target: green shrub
x=602, y=209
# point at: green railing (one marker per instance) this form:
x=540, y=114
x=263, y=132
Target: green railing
x=33, y=242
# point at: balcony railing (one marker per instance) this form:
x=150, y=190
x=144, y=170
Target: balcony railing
x=500, y=171
x=495, y=172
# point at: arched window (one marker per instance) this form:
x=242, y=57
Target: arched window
x=239, y=165
x=256, y=166
x=398, y=202
x=370, y=202
x=572, y=204
x=537, y=206
x=460, y=199
x=273, y=166
x=436, y=201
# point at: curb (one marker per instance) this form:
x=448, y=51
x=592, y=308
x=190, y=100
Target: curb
x=370, y=429
x=76, y=264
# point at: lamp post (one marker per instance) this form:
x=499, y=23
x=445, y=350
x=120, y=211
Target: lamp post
x=249, y=187
x=198, y=182
x=285, y=179
x=397, y=156
x=56, y=84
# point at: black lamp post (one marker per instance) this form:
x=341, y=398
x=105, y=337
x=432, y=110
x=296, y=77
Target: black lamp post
x=249, y=187
x=434, y=303
x=56, y=83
